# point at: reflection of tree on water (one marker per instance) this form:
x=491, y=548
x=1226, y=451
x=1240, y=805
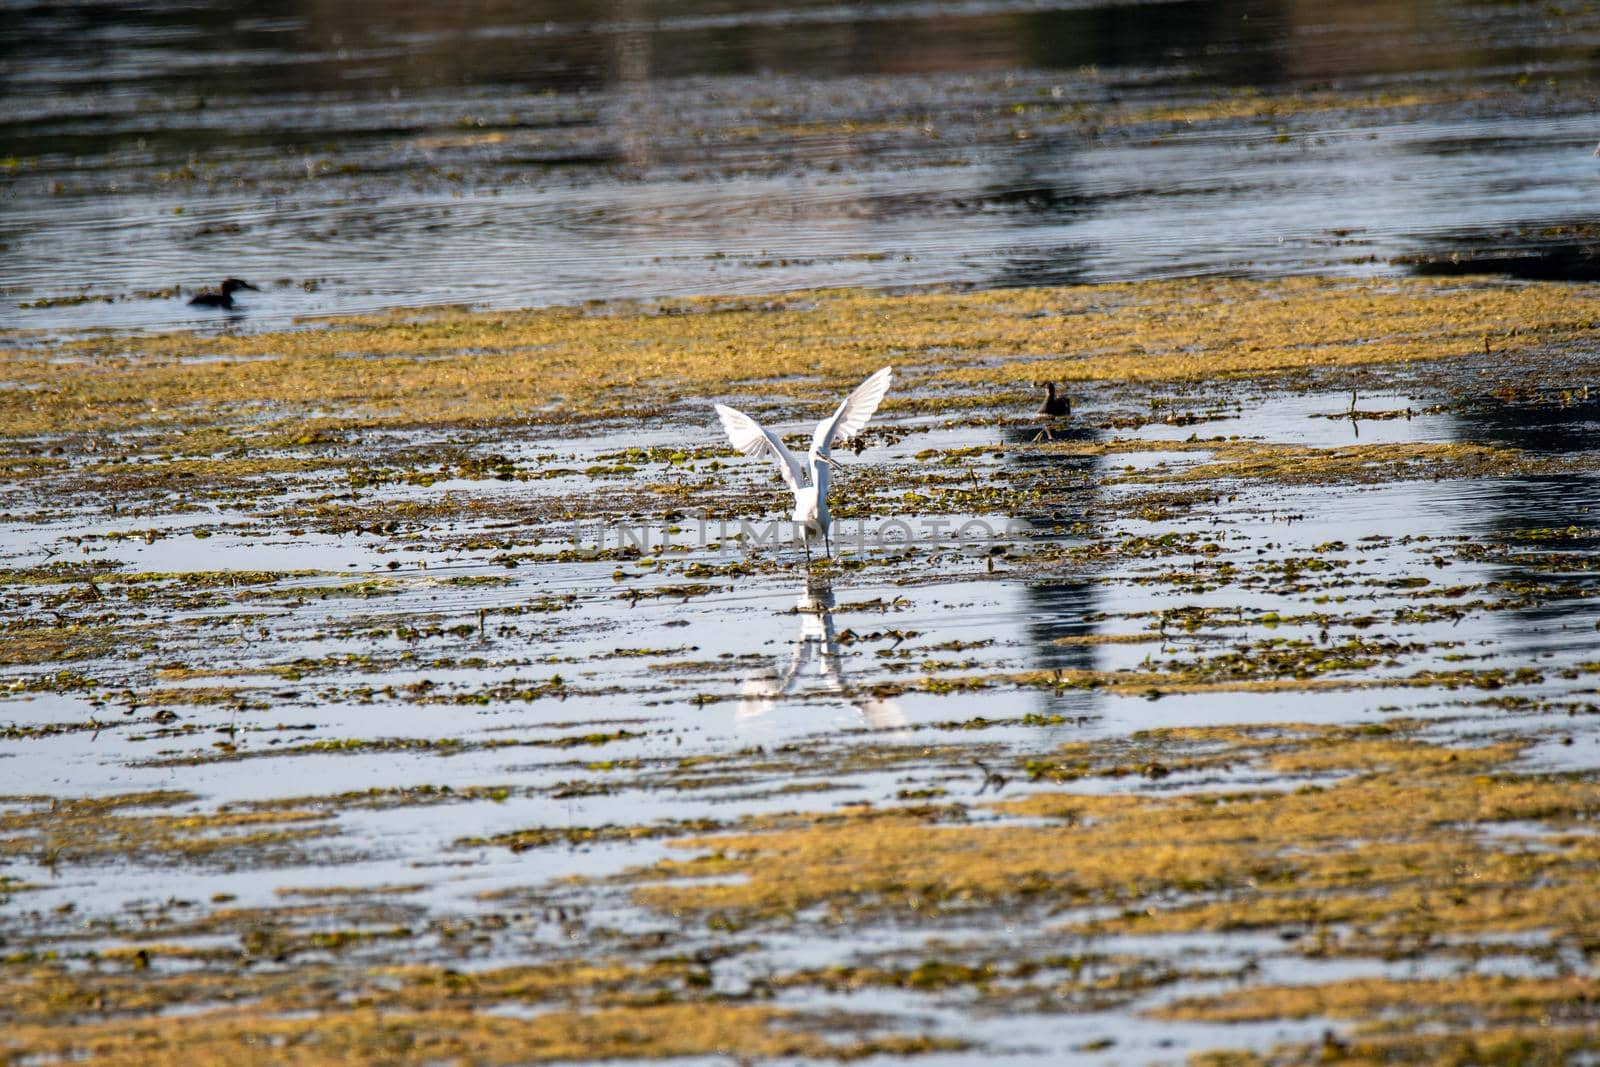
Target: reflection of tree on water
x=1557, y=249
x=815, y=654
x=1513, y=510
x=1037, y=190
x=1056, y=609
x=1235, y=40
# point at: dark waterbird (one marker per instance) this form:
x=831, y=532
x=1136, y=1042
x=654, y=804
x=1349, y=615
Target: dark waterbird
x=1053, y=406
x=222, y=295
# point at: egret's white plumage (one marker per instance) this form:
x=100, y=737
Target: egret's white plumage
x=808, y=479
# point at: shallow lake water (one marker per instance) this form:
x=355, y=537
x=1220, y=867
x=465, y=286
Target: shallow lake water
x=509, y=155
x=490, y=672
x=360, y=685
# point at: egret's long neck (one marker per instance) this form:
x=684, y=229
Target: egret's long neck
x=819, y=478
x=820, y=474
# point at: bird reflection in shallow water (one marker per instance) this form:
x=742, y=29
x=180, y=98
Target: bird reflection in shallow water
x=815, y=655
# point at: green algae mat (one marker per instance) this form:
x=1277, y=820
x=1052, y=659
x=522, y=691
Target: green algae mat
x=430, y=687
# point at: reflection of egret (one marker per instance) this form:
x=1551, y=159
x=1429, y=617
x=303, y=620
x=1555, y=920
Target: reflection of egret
x=809, y=481
x=815, y=654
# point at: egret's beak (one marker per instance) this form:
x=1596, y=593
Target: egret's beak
x=835, y=464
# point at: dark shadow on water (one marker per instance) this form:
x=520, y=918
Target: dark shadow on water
x=1549, y=424
x=1570, y=263
x=1545, y=520
x=1062, y=265
x=1544, y=424
x=1562, y=249
x=357, y=47
x=190, y=57
x=1023, y=432
x=1037, y=186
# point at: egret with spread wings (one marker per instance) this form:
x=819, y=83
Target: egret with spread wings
x=808, y=479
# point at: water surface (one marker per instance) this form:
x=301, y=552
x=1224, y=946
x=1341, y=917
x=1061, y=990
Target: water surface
x=509, y=154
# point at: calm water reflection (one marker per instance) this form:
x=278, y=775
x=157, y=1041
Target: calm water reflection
x=813, y=667
x=351, y=156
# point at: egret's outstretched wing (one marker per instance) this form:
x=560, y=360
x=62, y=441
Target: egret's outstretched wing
x=853, y=413
x=753, y=439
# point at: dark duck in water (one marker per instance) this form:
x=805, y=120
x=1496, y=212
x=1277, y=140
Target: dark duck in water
x=1054, y=407
x=222, y=295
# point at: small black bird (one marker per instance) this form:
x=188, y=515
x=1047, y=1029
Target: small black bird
x=222, y=295
x=1054, y=406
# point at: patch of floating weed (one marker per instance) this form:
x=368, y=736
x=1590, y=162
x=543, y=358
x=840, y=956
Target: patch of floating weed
x=322, y=891
x=1391, y=843
x=131, y=476
x=115, y=828
x=1082, y=982
x=1476, y=1019
x=106, y=579
x=36, y=644
x=147, y=977
x=368, y=1037
x=1542, y=1042
x=547, y=836
x=1376, y=463
x=1250, y=104
x=376, y=799
x=56, y=994
x=438, y=746
x=1472, y=999
x=10, y=884
x=430, y=365
x=1272, y=669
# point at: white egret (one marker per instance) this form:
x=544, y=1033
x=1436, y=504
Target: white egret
x=808, y=480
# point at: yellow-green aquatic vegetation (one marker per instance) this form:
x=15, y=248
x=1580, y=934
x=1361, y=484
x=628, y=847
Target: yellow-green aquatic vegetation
x=1255, y=105
x=22, y=643
x=140, y=980
x=1481, y=998
x=455, y=365
x=1501, y=1046
x=360, y=1037
x=111, y=1011
x=1302, y=465
x=1232, y=673
x=119, y=828
x=1392, y=846
x=1465, y=1019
